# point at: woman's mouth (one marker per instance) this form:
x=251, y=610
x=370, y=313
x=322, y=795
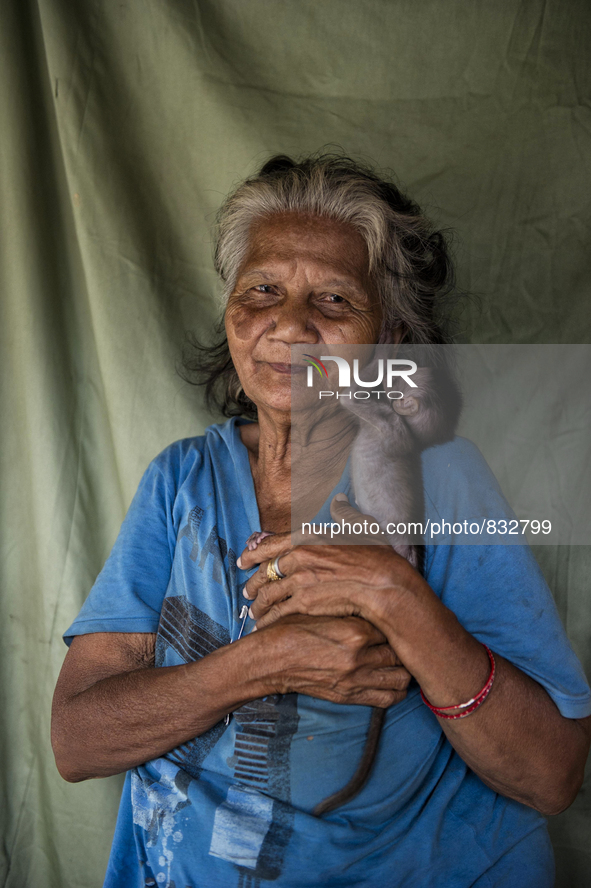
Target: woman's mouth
x=288, y=369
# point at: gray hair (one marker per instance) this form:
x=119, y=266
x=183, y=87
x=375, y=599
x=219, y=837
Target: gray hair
x=408, y=260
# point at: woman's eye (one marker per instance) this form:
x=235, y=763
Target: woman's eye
x=336, y=299
x=263, y=288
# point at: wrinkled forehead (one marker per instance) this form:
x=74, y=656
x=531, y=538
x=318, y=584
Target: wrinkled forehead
x=288, y=238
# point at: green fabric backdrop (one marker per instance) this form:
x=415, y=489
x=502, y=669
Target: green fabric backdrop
x=123, y=125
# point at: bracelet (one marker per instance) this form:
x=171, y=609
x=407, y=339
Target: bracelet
x=470, y=705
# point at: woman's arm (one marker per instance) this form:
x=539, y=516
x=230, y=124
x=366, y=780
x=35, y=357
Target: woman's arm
x=517, y=741
x=113, y=711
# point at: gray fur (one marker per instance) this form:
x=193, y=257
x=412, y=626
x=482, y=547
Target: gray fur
x=385, y=457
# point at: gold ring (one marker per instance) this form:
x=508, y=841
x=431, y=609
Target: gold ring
x=274, y=572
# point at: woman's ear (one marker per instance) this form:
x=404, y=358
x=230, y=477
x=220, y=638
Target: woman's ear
x=391, y=335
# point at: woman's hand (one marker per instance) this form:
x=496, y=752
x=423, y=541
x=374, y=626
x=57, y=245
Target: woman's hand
x=325, y=580
x=324, y=649
x=341, y=660
x=322, y=580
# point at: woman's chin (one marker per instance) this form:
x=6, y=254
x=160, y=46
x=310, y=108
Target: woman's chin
x=281, y=391
x=287, y=401
x=281, y=402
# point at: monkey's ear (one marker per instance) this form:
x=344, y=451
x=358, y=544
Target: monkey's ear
x=406, y=406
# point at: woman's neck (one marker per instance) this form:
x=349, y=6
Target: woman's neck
x=295, y=459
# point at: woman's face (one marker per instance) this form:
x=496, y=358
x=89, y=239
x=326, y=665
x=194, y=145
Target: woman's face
x=304, y=280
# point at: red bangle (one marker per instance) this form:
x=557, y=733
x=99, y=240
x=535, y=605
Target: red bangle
x=461, y=710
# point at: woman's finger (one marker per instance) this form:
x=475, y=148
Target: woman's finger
x=290, y=596
x=392, y=678
x=256, y=582
x=381, y=699
x=327, y=599
x=264, y=595
x=261, y=577
x=280, y=609
x=381, y=655
x=342, y=510
x=346, y=515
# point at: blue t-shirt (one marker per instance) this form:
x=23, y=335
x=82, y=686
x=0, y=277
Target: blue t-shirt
x=233, y=807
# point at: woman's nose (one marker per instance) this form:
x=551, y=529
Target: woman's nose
x=292, y=323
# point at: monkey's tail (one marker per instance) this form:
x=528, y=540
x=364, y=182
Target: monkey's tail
x=359, y=778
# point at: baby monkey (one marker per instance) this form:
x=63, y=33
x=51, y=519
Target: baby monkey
x=394, y=427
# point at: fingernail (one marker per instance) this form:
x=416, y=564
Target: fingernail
x=341, y=498
x=245, y=593
x=238, y=562
x=254, y=628
x=250, y=613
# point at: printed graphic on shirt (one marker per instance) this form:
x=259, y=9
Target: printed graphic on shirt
x=253, y=825
x=186, y=629
x=253, y=829
x=155, y=806
x=191, y=529
x=192, y=635
x=214, y=549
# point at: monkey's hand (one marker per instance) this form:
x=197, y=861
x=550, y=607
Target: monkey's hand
x=257, y=537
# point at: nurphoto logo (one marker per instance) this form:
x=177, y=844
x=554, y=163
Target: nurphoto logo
x=391, y=368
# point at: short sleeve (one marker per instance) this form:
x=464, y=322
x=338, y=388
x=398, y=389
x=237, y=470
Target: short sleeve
x=499, y=595
x=128, y=593
x=498, y=592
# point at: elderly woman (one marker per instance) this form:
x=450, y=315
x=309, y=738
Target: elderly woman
x=231, y=737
